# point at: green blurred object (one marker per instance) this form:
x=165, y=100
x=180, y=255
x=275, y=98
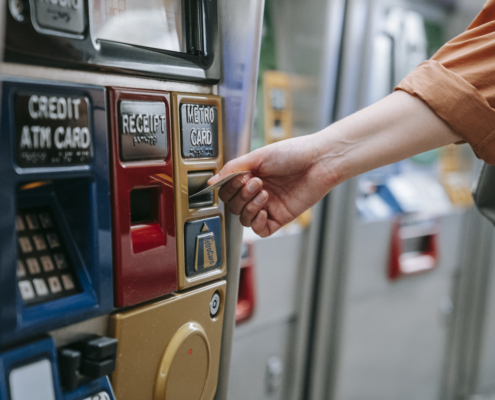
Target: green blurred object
x=268, y=61
x=426, y=158
x=435, y=35
x=268, y=51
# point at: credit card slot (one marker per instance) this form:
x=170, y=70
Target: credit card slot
x=197, y=181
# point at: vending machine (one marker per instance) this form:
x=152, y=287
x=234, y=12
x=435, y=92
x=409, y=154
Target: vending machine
x=114, y=283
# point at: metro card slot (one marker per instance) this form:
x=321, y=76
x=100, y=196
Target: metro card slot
x=197, y=181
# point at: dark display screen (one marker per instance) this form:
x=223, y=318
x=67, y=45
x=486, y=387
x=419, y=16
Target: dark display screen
x=149, y=23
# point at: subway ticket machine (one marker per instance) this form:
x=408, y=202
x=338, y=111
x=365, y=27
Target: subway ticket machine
x=113, y=282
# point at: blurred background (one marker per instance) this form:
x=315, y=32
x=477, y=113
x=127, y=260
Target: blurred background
x=384, y=290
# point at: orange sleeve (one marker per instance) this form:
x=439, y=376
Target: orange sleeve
x=458, y=84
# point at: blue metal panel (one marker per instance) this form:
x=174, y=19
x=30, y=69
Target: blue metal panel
x=79, y=196
x=25, y=355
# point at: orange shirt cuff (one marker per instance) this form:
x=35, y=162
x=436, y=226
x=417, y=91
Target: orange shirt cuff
x=457, y=102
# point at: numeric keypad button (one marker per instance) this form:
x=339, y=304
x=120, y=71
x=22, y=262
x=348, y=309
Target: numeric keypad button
x=68, y=282
x=60, y=260
x=25, y=245
x=39, y=242
x=26, y=289
x=19, y=224
x=21, y=269
x=33, y=266
x=53, y=240
x=54, y=284
x=40, y=287
x=47, y=263
x=32, y=222
x=46, y=220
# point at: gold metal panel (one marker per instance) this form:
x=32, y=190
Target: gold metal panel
x=181, y=168
x=170, y=349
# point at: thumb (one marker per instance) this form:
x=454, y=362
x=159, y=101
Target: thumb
x=241, y=164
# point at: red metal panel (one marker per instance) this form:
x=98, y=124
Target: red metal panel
x=246, y=298
x=145, y=255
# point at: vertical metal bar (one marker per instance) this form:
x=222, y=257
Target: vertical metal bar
x=470, y=301
x=240, y=25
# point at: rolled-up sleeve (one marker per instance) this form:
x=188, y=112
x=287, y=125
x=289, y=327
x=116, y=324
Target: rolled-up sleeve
x=458, y=84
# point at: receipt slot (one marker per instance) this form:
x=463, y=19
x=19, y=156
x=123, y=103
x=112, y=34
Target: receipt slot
x=143, y=196
x=55, y=240
x=197, y=142
x=180, y=355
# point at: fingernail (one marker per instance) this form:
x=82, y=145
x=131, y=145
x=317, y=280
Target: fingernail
x=238, y=183
x=260, y=199
x=213, y=178
x=253, y=185
x=259, y=217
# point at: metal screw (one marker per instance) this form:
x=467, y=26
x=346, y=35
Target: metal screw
x=214, y=305
x=18, y=9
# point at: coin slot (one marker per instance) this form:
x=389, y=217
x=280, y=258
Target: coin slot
x=197, y=181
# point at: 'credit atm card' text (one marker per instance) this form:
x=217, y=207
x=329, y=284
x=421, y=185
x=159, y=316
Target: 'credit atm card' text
x=52, y=130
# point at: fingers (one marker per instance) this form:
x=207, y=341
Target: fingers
x=259, y=224
x=252, y=208
x=245, y=195
x=230, y=189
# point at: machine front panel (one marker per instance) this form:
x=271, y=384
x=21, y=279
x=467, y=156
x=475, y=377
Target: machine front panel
x=143, y=196
x=55, y=183
x=111, y=276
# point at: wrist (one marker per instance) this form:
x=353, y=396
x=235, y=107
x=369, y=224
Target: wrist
x=332, y=156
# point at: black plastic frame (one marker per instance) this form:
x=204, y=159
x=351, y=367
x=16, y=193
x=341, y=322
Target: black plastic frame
x=27, y=43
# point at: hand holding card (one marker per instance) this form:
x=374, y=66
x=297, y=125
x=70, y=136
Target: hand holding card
x=218, y=184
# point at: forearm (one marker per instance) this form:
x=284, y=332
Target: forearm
x=391, y=130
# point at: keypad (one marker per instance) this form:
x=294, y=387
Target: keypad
x=44, y=270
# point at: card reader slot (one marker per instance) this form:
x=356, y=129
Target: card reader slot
x=197, y=181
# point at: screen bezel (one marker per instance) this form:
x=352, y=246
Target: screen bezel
x=27, y=42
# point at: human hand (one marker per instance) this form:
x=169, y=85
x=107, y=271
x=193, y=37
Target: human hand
x=286, y=179
x=289, y=177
